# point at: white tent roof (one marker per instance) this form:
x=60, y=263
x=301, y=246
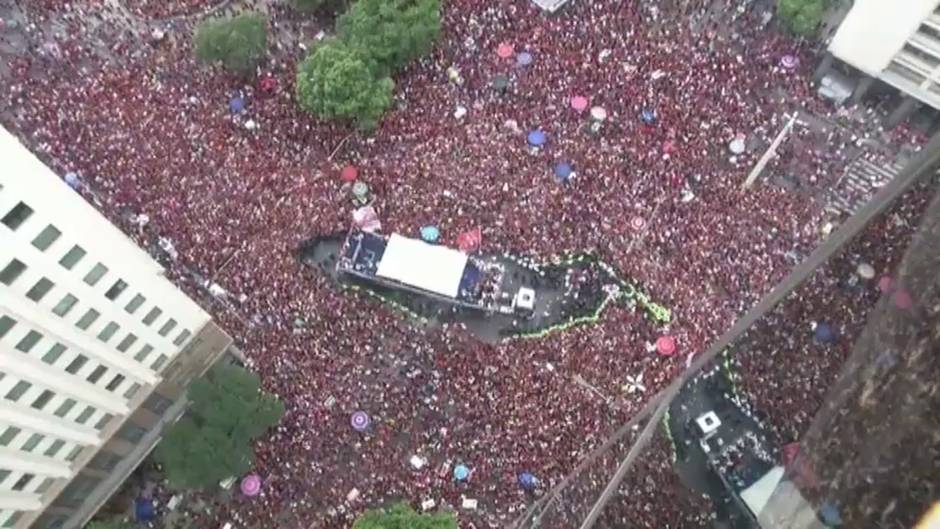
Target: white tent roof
x=757, y=495
x=426, y=266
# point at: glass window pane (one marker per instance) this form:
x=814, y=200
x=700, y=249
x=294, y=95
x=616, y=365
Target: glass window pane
x=76, y=364
x=96, y=375
x=22, y=482
x=65, y=407
x=103, y=421
x=144, y=351
x=54, y=353
x=85, y=415
x=167, y=327
x=87, y=319
x=72, y=257
x=9, y=435
x=158, y=363
x=29, y=341
x=31, y=443
x=95, y=274
x=6, y=324
x=17, y=216
x=11, y=271
x=43, y=399
x=73, y=455
x=54, y=448
x=181, y=339
x=127, y=342
x=152, y=315
x=131, y=391
x=40, y=289
x=108, y=332
x=46, y=237
x=115, y=382
x=64, y=306
x=17, y=391
x=116, y=289
x=135, y=304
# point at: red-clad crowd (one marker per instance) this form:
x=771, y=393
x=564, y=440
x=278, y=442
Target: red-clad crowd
x=97, y=92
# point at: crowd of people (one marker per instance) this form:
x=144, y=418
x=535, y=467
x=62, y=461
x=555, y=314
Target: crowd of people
x=657, y=194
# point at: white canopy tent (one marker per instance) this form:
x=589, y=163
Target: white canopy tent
x=437, y=269
x=758, y=494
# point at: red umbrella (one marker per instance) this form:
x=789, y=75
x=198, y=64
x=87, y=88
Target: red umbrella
x=885, y=284
x=504, y=51
x=349, y=173
x=666, y=345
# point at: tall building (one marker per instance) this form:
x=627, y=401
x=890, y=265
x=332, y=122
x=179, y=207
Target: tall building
x=96, y=349
x=896, y=44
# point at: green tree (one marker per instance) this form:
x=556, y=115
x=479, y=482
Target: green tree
x=336, y=81
x=239, y=43
x=391, y=33
x=402, y=516
x=212, y=442
x=802, y=17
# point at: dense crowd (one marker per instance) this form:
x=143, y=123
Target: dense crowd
x=150, y=132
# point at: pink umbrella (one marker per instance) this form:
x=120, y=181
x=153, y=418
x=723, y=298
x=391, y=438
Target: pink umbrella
x=504, y=51
x=349, y=173
x=903, y=300
x=637, y=222
x=579, y=103
x=885, y=284
x=251, y=485
x=666, y=345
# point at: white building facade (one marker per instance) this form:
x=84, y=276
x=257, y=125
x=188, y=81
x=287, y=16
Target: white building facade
x=89, y=326
x=897, y=43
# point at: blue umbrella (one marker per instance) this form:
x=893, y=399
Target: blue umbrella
x=236, y=105
x=527, y=481
x=461, y=472
x=648, y=116
x=144, y=509
x=536, y=138
x=524, y=59
x=824, y=333
x=563, y=171
x=430, y=233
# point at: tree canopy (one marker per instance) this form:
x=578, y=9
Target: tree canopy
x=337, y=81
x=402, y=516
x=239, y=43
x=802, y=17
x=391, y=33
x=213, y=441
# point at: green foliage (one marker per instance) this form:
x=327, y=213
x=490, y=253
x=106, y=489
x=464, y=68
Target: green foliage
x=336, y=81
x=239, y=43
x=307, y=6
x=213, y=441
x=391, y=33
x=802, y=17
x=402, y=516
x=114, y=524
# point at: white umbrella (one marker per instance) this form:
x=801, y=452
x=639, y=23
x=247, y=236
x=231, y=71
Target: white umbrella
x=634, y=385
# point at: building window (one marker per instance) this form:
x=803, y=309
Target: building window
x=22, y=482
x=157, y=403
x=181, y=339
x=54, y=448
x=85, y=415
x=127, y=342
x=95, y=274
x=96, y=375
x=116, y=289
x=134, y=303
x=76, y=364
x=65, y=305
x=43, y=399
x=46, y=237
x=11, y=271
x=132, y=433
x=72, y=257
x=44, y=486
x=9, y=435
x=87, y=319
x=4, y=474
x=29, y=341
x=167, y=327
x=40, y=289
x=65, y=407
x=103, y=421
x=108, y=332
x=144, y=351
x=15, y=517
x=131, y=391
x=17, y=216
x=73, y=455
x=159, y=362
x=115, y=382
x=17, y=391
x=6, y=324
x=32, y=442
x=54, y=353
x=152, y=315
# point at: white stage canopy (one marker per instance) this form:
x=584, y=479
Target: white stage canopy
x=426, y=266
x=758, y=494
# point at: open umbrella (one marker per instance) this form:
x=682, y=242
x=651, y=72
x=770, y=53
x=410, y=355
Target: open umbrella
x=865, y=271
x=461, y=472
x=666, y=345
x=504, y=50
x=579, y=103
x=528, y=481
x=648, y=116
x=430, y=233
x=824, y=333
x=563, y=171
x=524, y=59
x=251, y=485
x=360, y=421
x=598, y=113
x=144, y=509
x=789, y=61
x=236, y=105
x=349, y=173
x=536, y=138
